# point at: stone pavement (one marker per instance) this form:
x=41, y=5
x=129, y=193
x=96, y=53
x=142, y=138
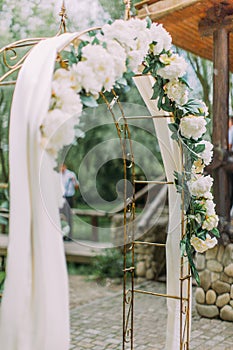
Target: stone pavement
x=97, y=323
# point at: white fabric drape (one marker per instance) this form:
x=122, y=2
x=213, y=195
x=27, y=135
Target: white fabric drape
x=172, y=161
x=34, y=312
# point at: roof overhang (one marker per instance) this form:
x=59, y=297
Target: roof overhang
x=191, y=23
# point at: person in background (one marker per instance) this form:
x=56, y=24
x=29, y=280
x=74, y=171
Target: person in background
x=70, y=185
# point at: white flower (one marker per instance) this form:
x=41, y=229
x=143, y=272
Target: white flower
x=198, y=166
x=62, y=76
x=177, y=91
x=97, y=70
x=66, y=99
x=201, y=246
x=210, y=222
x=200, y=186
x=161, y=36
x=203, y=109
x=192, y=126
x=207, y=154
x=132, y=34
x=209, y=207
x=175, y=66
x=135, y=60
x=57, y=130
x=118, y=55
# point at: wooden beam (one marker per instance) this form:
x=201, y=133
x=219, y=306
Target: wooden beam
x=161, y=8
x=207, y=27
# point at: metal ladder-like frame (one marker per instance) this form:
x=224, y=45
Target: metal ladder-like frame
x=129, y=246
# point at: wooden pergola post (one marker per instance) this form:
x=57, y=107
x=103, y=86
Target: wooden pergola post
x=218, y=24
x=220, y=119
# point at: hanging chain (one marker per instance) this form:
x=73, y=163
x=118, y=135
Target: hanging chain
x=127, y=9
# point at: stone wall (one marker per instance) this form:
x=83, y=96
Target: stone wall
x=214, y=296
x=150, y=260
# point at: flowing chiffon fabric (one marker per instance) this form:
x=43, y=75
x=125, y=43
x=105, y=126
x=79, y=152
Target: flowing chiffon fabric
x=172, y=162
x=34, y=313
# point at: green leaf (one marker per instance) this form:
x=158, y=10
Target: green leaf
x=173, y=127
x=89, y=101
x=95, y=41
x=72, y=58
x=149, y=22
x=156, y=91
x=199, y=148
x=215, y=232
x=92, y=33
x=122, y=81
x=182, y=247
x=3, y=221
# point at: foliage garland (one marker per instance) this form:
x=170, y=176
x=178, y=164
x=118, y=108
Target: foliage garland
x=105, y=60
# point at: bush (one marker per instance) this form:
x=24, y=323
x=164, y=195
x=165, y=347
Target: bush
x=110, y=264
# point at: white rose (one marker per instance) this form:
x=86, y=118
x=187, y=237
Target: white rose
x=177, y=91
x=121, y=31
x=66, y=99
x=161, y=36
x=200, y=186
x=207, y=154
x=118, y=56
x=201, y=246
x=210, y=222
x=209, y=207
x=175, y=66
x=63, y=76
x=135, y=59
x=97, y=70
x=192, y=126
x=57, y=130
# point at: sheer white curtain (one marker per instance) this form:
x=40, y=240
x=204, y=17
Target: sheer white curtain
x=34, y=313
x=172, y=162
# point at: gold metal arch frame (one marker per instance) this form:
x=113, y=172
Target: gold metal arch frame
x=13, y=62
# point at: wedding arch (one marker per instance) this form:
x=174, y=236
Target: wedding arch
x=59, y=77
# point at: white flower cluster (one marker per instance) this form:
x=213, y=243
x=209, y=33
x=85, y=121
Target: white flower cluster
x=200, y=187
x=57, y=129
x=120, y=46
x=200, y=245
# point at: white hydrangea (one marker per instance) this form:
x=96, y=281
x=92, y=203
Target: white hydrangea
x=57, y=131
x=200, y=245
x=175, y=66
x=207, y=154
x=177, y=91
x=161, y=36
x=200, y=186
x=192, y=126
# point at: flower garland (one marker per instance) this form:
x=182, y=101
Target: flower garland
x=100, y=63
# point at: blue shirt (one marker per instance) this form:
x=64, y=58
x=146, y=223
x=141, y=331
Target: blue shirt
x=69, y=181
